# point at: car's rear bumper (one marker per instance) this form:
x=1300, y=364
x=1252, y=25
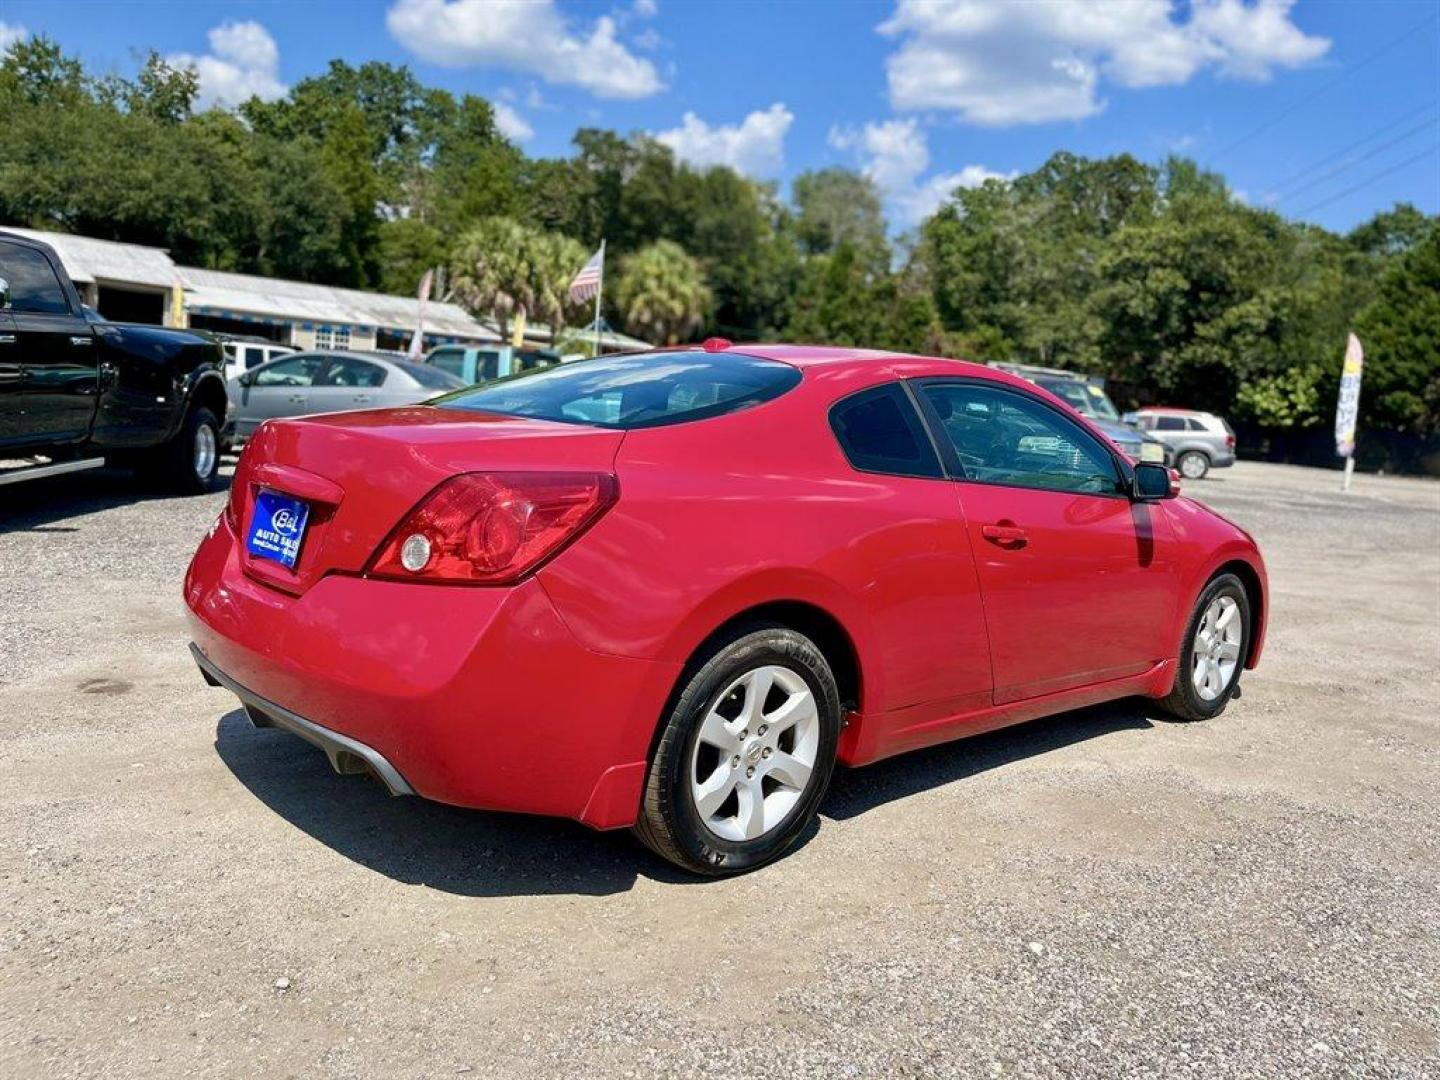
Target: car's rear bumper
x=477, y=697
x=346, y=755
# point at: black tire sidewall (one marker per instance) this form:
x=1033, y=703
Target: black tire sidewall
x=702, y=848
x=1226, y=585
x=179, y=464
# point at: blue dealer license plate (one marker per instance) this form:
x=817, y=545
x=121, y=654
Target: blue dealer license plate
x=276, y=528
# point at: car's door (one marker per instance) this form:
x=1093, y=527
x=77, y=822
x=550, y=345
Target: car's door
x=1077, y=579
x=348, y=382
x=55, y=348
x=275, y=390
x=11, y=414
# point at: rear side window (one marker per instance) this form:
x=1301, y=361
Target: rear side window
x=432, y=378
x=880, y=432
x=634, y=391
x=1169, y=423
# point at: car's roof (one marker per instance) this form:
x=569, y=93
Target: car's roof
x=814, y=356
x=1172, y=410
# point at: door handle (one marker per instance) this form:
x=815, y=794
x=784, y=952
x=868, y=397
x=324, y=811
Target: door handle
x=1004, y=534
x=7, y=339
x=297, y=399
x=81, y=339
x=360, y=399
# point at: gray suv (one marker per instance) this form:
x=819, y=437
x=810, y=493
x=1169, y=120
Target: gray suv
x=1195, y=442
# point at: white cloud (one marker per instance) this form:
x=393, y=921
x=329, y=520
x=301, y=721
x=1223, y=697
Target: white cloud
x=895, y=155
x=530, y=36
x=755, y=146
x=1001, y=64
x=646, y=9
x=511, y=124
x=243, y=62
x=9, y=35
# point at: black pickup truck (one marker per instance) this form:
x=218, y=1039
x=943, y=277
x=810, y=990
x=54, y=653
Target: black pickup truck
x=77, y=391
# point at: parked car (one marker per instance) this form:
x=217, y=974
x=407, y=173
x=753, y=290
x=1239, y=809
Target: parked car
x=1196, y=442
x=678, y=618
x=324, y=382
x=1086, y=395
x=482, y=363
x=78, y=391
x=243, y=352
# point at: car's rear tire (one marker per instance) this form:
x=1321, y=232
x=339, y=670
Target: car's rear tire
x=744, y=756
x=1193, y=464
x=188, y=463
x=1212, y=652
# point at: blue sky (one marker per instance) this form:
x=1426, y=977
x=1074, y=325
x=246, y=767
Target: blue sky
x=1296, y=104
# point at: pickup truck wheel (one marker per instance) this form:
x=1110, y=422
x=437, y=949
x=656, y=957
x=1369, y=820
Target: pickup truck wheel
x=189, y=463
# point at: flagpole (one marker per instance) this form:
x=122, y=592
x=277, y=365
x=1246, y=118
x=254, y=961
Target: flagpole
x=599, y=289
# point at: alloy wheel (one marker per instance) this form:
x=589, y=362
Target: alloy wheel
x=755, y=753
x=1216, y=649
x=205, y=450
x=1193, y=466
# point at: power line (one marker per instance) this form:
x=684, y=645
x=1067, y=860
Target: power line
x=1283, y=113
x=1366, y=183
x=1358, y=143
x=1427, y=125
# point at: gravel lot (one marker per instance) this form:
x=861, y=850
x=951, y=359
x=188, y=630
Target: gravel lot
x=1098, y=894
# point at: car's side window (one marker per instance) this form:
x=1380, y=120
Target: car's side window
x=299, y=371
x=451, y=360
x=880, y=432
x=348, y=372
x=34, y=288
x=1006, y=437
x=1169, y=423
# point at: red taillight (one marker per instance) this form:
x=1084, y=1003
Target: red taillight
x=492, y=528
x=1229, y=442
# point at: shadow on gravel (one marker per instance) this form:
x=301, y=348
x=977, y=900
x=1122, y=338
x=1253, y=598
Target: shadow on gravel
x=854, y=791
x=36, y=506
x=475, y=853
x=418, y=842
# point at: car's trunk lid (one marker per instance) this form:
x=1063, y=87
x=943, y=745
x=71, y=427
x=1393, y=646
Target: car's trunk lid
x=360, y=473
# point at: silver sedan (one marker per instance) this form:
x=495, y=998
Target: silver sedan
x=322, y=382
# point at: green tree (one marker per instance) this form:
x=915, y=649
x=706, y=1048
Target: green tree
x=492, y=270
x=835, y=206
x=1400, y=331
x=662, y=293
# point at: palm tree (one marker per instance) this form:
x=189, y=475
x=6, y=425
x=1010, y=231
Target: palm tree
x=558, y=259
x=662, y=293
x=492, y=273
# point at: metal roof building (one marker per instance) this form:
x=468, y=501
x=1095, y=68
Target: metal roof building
x=136, y=283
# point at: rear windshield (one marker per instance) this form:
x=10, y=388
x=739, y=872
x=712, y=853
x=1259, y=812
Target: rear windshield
x=637, y=390
x=433, y=378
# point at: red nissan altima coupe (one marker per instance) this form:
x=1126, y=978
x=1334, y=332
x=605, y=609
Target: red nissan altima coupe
x=670, y=590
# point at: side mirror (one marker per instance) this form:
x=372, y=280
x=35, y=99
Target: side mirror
x=1154, y=482
x=4, y=294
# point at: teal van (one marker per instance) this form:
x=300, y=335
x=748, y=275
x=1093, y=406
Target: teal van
x=482, y=363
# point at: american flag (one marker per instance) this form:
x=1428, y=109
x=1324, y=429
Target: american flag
x=587, y=281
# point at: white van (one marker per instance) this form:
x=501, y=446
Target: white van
x=244, y=353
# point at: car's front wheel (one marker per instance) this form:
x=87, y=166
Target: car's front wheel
x=1213, y=651
x=745, y=755
x=1193, y=465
